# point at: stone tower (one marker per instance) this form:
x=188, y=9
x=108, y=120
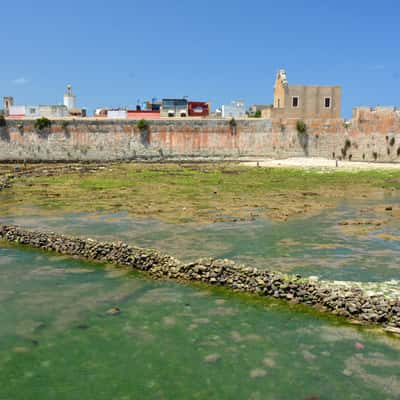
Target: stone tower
x=8, y=101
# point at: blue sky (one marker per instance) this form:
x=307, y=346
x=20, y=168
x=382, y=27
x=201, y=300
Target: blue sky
x=114, y=53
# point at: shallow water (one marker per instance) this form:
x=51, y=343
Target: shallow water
x=310, y=246
x=172, y=341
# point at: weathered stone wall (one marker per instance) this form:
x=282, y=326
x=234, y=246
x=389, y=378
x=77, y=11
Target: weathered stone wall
x=370, y=135
x=349, y=302
x=92, y=139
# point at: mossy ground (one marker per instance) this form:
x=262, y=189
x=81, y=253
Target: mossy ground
x=196, y=192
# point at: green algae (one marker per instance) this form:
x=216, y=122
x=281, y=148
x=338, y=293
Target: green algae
x=200, y=192
x=173, y=341
x=57, y=339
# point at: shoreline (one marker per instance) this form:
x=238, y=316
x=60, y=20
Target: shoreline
x=323, y=164
x=242, y=160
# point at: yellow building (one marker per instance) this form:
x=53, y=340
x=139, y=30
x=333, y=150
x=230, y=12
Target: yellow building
x=305, y=102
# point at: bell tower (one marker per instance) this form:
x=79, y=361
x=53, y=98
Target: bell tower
x=280, y=89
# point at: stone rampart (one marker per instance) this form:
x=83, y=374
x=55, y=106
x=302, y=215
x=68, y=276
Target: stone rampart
x=349, y=302
x=370, y=135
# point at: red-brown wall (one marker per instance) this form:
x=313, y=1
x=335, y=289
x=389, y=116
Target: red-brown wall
x=370, y=134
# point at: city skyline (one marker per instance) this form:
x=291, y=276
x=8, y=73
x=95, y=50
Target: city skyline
x=114, y=56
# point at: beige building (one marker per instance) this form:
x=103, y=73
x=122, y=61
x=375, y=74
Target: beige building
x=305, y=102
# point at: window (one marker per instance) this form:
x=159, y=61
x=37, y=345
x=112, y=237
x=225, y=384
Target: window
x=295, y=101
x=181, y=103
x=174, y=103
x=168, y=103
x=327, y=102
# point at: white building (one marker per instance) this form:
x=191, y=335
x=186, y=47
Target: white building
x=48, y=111
x=117, y=114
x=16, y=111
x=53, y=111
x=236, y=109
x=69, y=99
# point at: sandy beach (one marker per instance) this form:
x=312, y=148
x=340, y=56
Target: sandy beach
x=319, y=162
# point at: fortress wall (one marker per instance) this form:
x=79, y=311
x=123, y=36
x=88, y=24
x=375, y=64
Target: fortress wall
x=370, y=134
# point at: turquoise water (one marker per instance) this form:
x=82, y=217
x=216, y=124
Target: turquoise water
x=310, y=246
x=170, y=341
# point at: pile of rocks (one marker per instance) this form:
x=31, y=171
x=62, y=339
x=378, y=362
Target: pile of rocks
x=48, y=171
x=4, y=183
x=6, y=180
x=349, y=302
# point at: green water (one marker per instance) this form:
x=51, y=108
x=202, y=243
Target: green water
x=170, y=341
x=310, y=246
x=57, y=340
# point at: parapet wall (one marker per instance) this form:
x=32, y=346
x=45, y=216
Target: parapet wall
x=370, y=135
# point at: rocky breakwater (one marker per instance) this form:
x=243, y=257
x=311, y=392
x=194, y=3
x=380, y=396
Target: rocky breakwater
x=345, y=301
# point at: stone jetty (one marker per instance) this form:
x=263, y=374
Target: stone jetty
x=346, y=301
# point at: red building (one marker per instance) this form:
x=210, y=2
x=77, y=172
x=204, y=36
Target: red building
x=143, y=114
x=198, y=109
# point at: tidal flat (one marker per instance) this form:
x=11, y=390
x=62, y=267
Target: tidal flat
x=201, y=193
x=340, y=225
x=183, y=341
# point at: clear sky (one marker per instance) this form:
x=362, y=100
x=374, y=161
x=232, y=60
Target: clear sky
x=116, y=52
